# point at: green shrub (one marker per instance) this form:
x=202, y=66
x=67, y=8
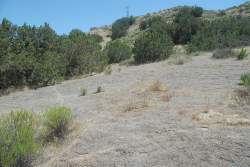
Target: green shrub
x=152, y=46
x=119, y=69
x=241, y=54
x=56, y=121
x=245, y=78
x=222, y=13
x=229, y=33
x=108, y=71
x=120, y=27
x=127, y=62
x=143, y=25
x=154, y=20
x=117, y=51
x=223, y=53
x=99, y=89
x=83, y=91
x=197, y=53
x=197, y=11
x=18, y=144
x=109, y=35
x=248, y=11
x=93, y=28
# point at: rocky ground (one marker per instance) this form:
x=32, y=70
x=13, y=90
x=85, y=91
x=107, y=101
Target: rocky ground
x=189, y=123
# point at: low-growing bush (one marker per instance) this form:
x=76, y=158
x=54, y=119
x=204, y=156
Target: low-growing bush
x=127, y=62
x=108, y=71
x=99, y=89
x=109, y=35
x=197, y=53
x=241, y=54
x=56, y=121
x=83, y=91
x=223, y=53
x=245, y=78
x=18, y=142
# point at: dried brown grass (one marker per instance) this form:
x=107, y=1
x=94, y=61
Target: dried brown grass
x=13, y=90
x=241, y=97
x=178, y=60
x=156, y=86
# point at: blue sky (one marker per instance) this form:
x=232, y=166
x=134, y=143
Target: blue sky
x=65, y=15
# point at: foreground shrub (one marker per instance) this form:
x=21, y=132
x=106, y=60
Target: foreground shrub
x=152, y=46
x=245, y=78
x=223, y=53
x=83, y=91
x=117, y=51
x=18, y=144
x=56, y=121
x=241, y=54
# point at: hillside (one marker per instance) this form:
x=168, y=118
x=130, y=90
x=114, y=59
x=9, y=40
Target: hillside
x=168, y=15
x=185, y=109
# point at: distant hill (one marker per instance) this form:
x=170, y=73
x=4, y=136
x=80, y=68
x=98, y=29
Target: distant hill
x=168, y=15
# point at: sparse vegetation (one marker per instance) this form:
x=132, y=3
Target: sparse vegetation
x=119, y=69
x=83, y=91
x=223, y=53
x=241, y=54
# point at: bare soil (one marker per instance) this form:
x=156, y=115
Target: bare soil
x=189, y=123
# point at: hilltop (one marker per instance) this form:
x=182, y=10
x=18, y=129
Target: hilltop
x=168, y=15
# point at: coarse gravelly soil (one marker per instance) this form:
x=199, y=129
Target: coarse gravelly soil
x=162, y=133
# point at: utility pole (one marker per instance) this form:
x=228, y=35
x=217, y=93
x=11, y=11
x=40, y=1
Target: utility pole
x=128, y=11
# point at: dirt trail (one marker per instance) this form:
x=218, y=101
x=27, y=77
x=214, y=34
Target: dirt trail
x=162, y=134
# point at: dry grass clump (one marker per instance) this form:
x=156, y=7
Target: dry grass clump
x=241, y=97
x=167, y=97
x=179, y=60
x=182, y=112
x=156, y=86
x=138, y=102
